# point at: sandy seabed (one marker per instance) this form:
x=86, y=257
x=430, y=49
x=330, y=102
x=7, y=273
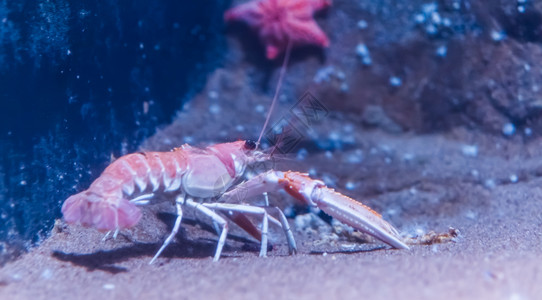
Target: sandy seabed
x=496, y=255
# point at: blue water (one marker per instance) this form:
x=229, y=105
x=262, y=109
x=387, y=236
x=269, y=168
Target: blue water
x=82, y=81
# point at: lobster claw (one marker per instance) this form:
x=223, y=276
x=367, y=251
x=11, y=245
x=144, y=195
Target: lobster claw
x=358, y=216
x=316, y=193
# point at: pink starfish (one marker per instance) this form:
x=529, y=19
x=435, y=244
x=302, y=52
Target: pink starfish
x=279, y=22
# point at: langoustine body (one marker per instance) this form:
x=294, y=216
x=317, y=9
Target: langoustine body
x=203, y=180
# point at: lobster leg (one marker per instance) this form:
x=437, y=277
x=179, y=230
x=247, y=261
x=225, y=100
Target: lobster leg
x=175, y=229
x=247, y=209
x=115, y=234
x=216, y=218
x=242, y=221
x=287, y=231
x=316, y=193
x=250, y=210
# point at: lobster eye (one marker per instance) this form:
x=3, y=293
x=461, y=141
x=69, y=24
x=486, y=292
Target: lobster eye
x=250, y=145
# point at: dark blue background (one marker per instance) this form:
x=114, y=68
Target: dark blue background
x=75, y=77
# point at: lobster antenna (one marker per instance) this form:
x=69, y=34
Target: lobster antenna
x=277, y=90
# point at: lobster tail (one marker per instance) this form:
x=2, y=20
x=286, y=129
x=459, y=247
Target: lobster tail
x=91, y=210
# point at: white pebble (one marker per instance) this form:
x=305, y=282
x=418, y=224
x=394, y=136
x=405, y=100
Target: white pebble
x=344, y=87
x=490, y=184
x=214, y=109
x=419, y=231
x=408, y=157
x=471, y=215
x=457, y=5
x=508, y=129
x=391, y=211
x=349, y=139
x=355, y=158
x=470, y=150
x=303, y=221
x=419, y=18
x=498, y=35
x=108, y=286
x=329, y=180
x=16, y=277
x=435, y=17
x=429, y=8
x=514, y=178
x=395, y=81
x=324, y=74
x=213, y=95
x=362, y=50
x=431, y=29
x=302, y=154
x=442, y=51
x=362, y=24
x=334, y=136
x=47, y=274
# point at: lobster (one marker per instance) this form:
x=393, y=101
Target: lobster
x=204, y=180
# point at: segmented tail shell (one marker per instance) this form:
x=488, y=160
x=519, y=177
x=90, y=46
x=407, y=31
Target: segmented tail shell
x=104, y=205
x=91, y=210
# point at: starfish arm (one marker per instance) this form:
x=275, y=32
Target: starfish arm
x=306, y=32
x=275, y=39
x=250, y=13
x=300, y=9
x=272, y=51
